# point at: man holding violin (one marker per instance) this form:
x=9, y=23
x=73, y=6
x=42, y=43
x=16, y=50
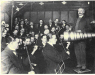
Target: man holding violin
x=10, y=62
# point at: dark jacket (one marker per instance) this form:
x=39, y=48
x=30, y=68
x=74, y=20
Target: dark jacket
x=52, y=58
x=11, y=64
x=83, y=25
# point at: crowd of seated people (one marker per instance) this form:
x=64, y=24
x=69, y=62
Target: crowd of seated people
x=32, y=35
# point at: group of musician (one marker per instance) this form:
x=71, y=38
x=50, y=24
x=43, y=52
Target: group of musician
x=30, y=35
x=23, y=29
x=39, y=47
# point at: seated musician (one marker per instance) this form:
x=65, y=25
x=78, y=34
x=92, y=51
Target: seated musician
x=63, y=27
x=15, y=33
x=41, y=64
x=46, y=27
x=52, y=56
x=3, y=40
x=26, y=45
x=31, y=33
x=31, y=26
x=22, y=32
x=22, y=22
x=50, y=24
x=53, y=30
x=7, y=28
x=60, y=43
x=10, y=62
x=32, y=40
x=41, y=26
x=46, y=31
x=20, y=49
x=38, y=39
x=56, y=24
x=6, y=38
x=17, y=27
x=21, y=26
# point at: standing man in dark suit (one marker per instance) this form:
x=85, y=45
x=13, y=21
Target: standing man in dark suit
x=82, y=25
x=52, y=56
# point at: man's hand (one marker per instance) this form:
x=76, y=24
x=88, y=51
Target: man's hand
x=34, y=49
x=68, y=52
x=41, y=34
x=34, y=64
x=78, y=31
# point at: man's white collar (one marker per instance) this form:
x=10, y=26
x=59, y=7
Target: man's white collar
x=50, y=43
x=80, y=16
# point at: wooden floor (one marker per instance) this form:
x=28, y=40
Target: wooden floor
x=90, y=60
x=70, y=66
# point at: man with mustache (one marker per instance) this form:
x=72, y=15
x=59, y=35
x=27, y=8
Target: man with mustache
x=82, y=25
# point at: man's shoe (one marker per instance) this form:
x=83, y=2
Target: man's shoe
x=78, y=66
x=83, y=69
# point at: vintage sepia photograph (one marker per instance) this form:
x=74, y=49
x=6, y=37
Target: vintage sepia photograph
x=47, y=36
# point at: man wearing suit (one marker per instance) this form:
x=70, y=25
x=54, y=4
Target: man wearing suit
x=56, y=25
x=52, y=56
x=50, y=24
x=10, y=63
x=82, y=25
x=41, y=26
x=3, y=40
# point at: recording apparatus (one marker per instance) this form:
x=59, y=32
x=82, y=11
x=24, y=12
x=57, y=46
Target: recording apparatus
x=72, y=36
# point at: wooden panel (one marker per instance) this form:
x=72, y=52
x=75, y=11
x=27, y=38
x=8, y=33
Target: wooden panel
x=48, y=7
x=2, y=16
x=64, y=15
x=41, y=15
x=72, y=16
x=33, y=17
x=27, y=15
x=38, y=7
x=55, y=15
x=69, y=16
x=57, y=5
x=48, y=15
x=6, y=18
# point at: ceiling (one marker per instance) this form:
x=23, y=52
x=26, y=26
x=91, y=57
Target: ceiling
x=48, y=5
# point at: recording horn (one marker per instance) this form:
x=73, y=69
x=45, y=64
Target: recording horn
x=71, y=36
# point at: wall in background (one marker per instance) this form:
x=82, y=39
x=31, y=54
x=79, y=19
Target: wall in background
x=5, y=17
x=35, y=16
x=53, y=10
x=6, y=12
